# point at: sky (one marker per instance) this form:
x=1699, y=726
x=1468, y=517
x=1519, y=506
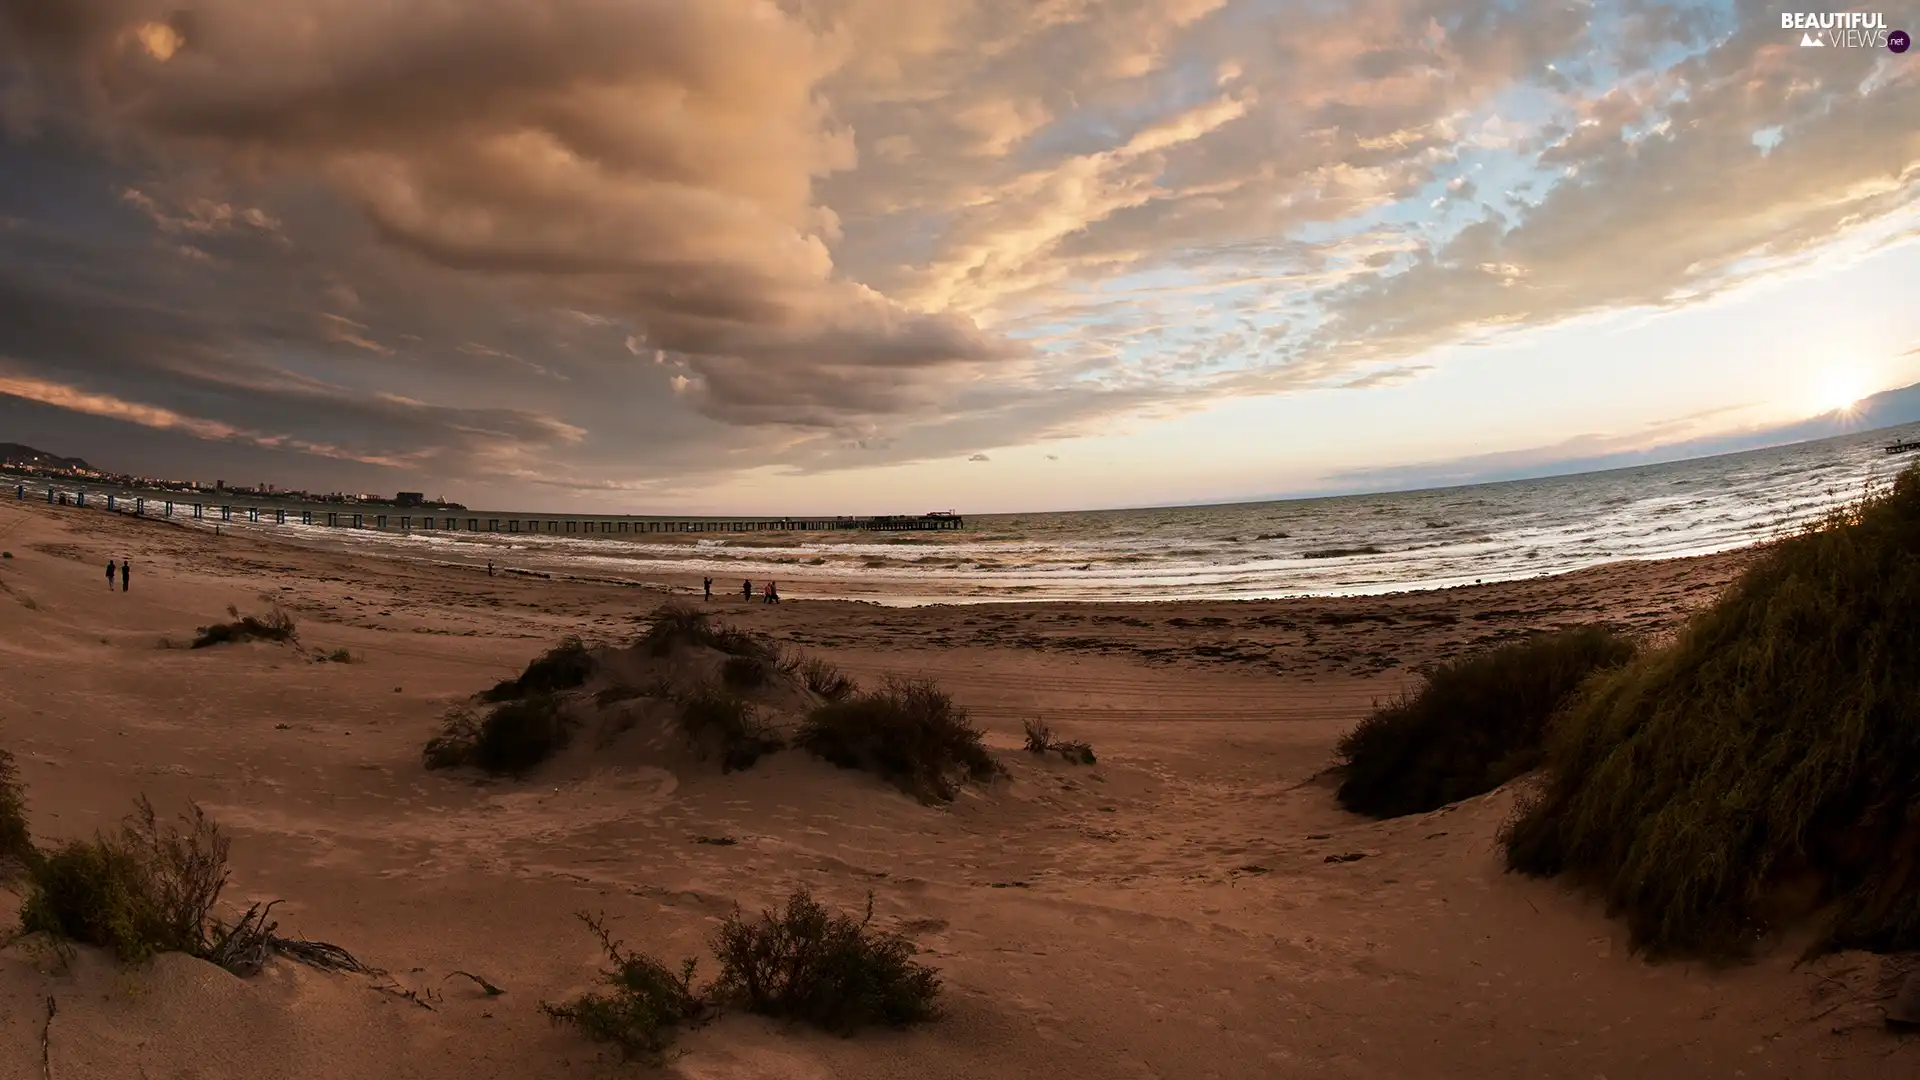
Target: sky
x=865, y=256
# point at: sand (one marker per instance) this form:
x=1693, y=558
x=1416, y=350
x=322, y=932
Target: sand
x=1169, y=912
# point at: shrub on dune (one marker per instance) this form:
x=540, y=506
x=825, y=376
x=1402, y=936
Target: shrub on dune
x=563, y=667
x=801, y=963
x=728, y=725
x=512, y=738
x=907, y=731
x=1775, y=743
x=275, y=625
x=832, y=971
x=826, y=680
x=1478, y=722
x=150, y=888
x=644, y=1005
x=746, y=672
x=675, y=624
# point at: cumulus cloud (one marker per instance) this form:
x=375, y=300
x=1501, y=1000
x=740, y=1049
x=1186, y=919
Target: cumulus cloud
x=680, y=238
x=646, y=161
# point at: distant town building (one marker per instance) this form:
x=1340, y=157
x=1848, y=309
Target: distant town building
x=410, y=498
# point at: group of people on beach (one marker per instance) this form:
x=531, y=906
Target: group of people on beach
x=126, y=573
x=770, y=594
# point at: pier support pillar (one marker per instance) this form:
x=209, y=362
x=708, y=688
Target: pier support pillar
x=280, y=515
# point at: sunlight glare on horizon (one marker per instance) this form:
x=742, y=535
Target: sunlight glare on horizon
x=1839, y=389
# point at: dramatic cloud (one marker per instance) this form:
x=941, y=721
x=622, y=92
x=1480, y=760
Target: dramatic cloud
x=643, y=245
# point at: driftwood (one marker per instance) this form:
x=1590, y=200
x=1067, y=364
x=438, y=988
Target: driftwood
x=46, y=1041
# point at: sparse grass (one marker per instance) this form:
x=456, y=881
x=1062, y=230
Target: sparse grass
x=829, y=970
x=340, y=656
x=675, y=624
x=563, y=667
x=1771, y=749
x=1479, y=721
x=728, y=726
x=512, y=738
x=826, y=680
x=17, y=852
x=1040, y=741
x=645, y=1005
x=275, y=625
x=746, y=672
x=908, y=731
x=6, y=554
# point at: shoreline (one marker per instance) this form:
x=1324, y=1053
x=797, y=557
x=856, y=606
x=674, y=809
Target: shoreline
x=852, y=588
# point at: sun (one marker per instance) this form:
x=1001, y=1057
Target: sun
x=1839, y=390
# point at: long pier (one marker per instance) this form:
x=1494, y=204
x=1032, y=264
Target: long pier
x=464, y=521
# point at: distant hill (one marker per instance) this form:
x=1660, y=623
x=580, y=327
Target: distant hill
x=1886, y=409
x=16, y=454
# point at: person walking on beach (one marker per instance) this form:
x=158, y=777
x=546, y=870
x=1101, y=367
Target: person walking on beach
x=746, y=590
x=109, y=573
x=126, y=571
x=489, y=567
x=708, y=584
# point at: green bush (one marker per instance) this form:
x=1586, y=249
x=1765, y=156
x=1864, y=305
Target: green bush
x=727, y=725
x=275, y=625
x=907, y=731
x=151, y=889
x=1775, y=742
x=645, y=1004
x=563, y=667
x=1478, y=722
x=832, y=971
x=16, y=842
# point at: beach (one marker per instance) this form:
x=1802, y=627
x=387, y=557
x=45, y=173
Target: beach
x=1194, y=905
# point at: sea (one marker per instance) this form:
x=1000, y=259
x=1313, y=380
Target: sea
x=1344, y=545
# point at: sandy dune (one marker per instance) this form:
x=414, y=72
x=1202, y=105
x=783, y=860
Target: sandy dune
x=1171, y=912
